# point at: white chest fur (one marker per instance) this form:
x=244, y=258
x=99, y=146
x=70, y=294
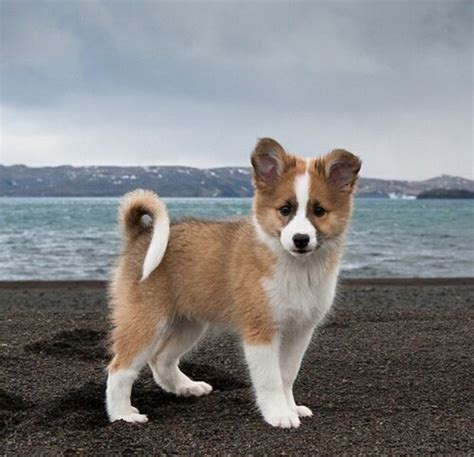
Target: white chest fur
x=301, y=291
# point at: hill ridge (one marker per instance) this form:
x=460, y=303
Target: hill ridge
x=178, y=181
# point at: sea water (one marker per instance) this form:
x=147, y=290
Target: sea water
x=78, y=238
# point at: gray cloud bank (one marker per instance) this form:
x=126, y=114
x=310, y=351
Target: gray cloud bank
x=195, y=83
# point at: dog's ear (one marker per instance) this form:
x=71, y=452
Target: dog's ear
x=268, y=162
x=341, y=169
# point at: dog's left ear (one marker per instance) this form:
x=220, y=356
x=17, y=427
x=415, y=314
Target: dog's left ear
x=341, y=169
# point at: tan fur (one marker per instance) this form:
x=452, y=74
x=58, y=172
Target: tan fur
x=195, y=279
x=212, y=271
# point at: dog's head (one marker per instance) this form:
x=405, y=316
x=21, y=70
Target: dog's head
x=301, y=204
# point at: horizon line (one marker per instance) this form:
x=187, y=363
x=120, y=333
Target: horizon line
x=248, y=167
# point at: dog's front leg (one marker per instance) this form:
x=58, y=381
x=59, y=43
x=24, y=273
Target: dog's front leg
x=264, y=366
x=293, y=346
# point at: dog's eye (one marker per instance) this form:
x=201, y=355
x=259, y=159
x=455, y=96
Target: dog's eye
x=285, y=210
x=319, y=211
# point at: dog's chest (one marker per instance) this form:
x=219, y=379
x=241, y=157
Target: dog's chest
x=300, y=292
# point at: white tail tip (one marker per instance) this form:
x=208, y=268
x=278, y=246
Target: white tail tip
x=158, y=244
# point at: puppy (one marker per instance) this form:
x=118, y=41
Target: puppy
x=271, y=277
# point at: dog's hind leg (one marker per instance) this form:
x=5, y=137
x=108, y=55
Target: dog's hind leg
x=133, y=350
x=183, y=335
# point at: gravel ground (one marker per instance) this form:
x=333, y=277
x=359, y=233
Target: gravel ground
x=390, y=372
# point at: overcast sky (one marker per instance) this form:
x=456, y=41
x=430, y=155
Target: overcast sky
x=196, y=83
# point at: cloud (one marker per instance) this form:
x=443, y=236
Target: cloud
x=196, y=82
x=190, y=133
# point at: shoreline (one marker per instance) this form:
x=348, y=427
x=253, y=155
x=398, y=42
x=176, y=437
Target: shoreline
x=343, y=282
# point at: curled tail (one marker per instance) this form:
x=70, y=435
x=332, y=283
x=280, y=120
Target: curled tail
x=133, y=207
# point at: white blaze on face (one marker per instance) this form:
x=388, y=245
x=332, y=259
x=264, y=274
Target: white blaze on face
x=300, y=224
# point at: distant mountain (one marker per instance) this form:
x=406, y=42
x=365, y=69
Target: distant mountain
x=19, y=180
x=68, y=181
x=369, y=187
x=446, y=193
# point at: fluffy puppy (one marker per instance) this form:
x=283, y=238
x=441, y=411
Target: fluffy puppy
x=271, y=277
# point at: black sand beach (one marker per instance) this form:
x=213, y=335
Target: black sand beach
x=390, y=372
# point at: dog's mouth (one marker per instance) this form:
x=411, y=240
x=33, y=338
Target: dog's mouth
x=298, y=252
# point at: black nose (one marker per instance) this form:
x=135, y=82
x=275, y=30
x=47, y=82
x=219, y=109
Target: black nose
x=301, y=240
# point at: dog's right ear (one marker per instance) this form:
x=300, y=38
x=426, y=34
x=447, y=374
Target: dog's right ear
x=268, y=162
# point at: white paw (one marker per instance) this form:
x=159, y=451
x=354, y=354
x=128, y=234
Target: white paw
x=133, y=417
x=288, y=419
x=194, y=389
x=303, y=411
